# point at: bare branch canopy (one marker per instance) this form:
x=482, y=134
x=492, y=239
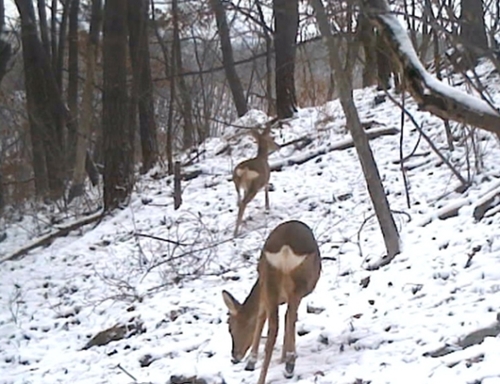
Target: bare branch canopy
x=431, y=94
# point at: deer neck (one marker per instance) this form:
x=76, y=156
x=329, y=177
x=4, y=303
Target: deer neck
x=250, y=307
x=262, y=152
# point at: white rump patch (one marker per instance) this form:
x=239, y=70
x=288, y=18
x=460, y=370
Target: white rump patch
x=285, y=260
x=247, y=174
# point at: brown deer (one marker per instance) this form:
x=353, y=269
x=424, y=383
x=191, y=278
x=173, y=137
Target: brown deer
x=253, y=174
x=289, y=268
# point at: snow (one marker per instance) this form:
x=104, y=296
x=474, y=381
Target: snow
x=54, y=299
x=406, y=47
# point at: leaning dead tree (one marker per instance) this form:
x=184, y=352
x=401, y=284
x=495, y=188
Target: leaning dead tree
x=431, y=94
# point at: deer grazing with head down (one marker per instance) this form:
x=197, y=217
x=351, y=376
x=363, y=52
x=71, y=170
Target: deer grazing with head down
x=253, y=174
x=289, y=268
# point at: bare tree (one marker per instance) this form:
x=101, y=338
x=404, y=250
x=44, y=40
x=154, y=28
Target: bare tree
x=185, y=100
x=5, y=54
x=142, y=90
x=227, y=57
x=286, y=25
x=430, y=94
x=73, y=74
x=45, y=108
x=82, y=138
x=473, y=29
x=368, y=164
x=368, y=41
x=118, y=146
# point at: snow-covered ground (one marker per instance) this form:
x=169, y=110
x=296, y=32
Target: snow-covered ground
x=54, y=299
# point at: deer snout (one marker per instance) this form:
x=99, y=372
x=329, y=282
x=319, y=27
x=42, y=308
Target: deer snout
x=235, y=359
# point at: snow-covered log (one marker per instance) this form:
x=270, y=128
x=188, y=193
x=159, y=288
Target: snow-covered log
x=431, y=94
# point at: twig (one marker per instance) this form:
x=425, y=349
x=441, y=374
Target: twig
x=429, y=141
x=163, y=239
x=126, y=372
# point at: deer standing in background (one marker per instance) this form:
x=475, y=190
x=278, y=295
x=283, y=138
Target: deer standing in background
x=253, y=174
x=289, y=268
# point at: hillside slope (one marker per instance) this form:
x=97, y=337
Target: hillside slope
x=443, y=286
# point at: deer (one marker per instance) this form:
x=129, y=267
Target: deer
x=253, y=174
x=288, y=269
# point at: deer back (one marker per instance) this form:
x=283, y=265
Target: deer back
x=290, y=262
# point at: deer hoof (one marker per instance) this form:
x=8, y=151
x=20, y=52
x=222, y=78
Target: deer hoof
x=250, y=366
x=289, y=368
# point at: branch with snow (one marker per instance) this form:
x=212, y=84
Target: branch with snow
x=431, y=94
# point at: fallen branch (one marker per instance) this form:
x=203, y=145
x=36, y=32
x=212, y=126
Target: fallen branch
x=49, y=238
x=473, y=338
x=487, y=202
x=336, y=146
x=449, y=210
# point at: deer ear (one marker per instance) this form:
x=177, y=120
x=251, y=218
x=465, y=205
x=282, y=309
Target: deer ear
x=267, y=129
x=231, y=303
x=255, y=134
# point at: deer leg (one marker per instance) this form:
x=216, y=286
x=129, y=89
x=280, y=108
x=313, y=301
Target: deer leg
x=261, y=319
x=241, y=210
x=272, y=332
x=266, y=191
x=238, y=198
x=249, y=195
x=288, y=354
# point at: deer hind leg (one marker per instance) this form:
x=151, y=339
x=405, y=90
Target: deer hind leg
x=249, y=195
x=288, y=355
x=272, y=332
x=254, y=352
x=266, y=191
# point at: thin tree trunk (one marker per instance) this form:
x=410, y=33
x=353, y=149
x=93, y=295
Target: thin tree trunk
x=286, y=25
x=45, y=107
x=269, y=61
x=82, y=138
x=368, y=40
x=143, y=84
x=72, y=82
x=53, y=34
x=368, y=164
x=117, y=146
x=186, y=107
x=473, y=29
x=228, y=58
x=170, y=73
x=44, y=29
x=61, y=45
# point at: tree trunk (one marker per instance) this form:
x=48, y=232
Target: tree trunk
x=45, y=107
x=143, y=84
x=227, y=57
x=271, y=107
x=383, y=64
x=368, y=40
x=87, y=112
x=72, y=81
x=368, y=164
x=44, y=29
x=170, y=73
x=473, y=29
x=286, y=25
x=186, y=107
x=117, y=146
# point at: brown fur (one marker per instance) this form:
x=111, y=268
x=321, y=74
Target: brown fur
x=273, y=288
x=253, y=174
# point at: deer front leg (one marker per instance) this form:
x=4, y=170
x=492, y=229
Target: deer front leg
x=254, y=351
x=266, y=191
x=272, y=332
x=288, y=354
